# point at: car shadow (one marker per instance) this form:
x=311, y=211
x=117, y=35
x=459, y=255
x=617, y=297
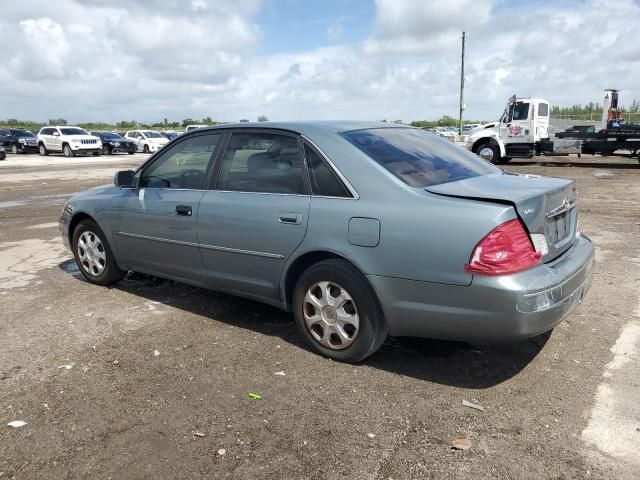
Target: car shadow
x=456, y=364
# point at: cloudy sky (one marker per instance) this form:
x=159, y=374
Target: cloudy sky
x=145, y=60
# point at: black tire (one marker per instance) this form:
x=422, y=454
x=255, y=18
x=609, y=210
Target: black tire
x=14, y=149
x=494, y=156
x=131, y=153
x=106, y=150
x=145, y=149
x=111, y=273
x=372, y=330
x=43, y=150
x=66, y=150
x=96, y=154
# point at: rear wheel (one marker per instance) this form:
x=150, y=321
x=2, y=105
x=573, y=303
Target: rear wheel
x=93, y=254
x=337, y=311
x=43, y=150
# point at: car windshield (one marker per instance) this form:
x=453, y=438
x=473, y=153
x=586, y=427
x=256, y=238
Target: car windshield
x=418, y=158
x=23, y=133
x=111, y=136
x=73, y=131
x=152, y=134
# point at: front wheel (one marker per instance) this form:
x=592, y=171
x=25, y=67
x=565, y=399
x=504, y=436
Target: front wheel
x=105, y=150
x=14, y=149
x=43, y=150
x=93, y=254
x=145, y=149
x=337, y=311
x=67, y=151
x=489, y=152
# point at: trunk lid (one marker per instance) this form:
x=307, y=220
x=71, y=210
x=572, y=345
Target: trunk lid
x=546, y=205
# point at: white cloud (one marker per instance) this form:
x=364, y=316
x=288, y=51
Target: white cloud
x=118, y=60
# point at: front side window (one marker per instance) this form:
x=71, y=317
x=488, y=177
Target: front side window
x=262, y=162
x=324, y=181
x=418, y=158
x=151, y=134
x=5, y=133
x=184, y=165
x=520, y=111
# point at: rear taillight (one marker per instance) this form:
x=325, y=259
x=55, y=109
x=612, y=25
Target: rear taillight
x=506, y=249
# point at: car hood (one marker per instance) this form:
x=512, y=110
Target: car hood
x=546, y=205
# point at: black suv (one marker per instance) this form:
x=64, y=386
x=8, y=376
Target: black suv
x=114, y=143
x=18, y=140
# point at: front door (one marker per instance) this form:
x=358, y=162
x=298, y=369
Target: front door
x=154, y=225
x=256, y=214
x=516, y=123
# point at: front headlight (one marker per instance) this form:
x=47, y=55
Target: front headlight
x=22, y=140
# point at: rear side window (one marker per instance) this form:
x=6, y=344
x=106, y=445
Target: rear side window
x=543, y=110
x=262, y=162
x=418, y=158
x=324, y=181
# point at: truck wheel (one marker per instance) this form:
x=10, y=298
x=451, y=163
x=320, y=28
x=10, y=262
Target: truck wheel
x=489, y=152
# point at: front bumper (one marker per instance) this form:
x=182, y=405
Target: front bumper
x=491, y=309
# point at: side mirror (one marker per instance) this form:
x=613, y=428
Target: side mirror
x=56, y=134
x=124, y=178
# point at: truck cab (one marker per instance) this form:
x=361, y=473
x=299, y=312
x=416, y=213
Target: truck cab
x=524, y=123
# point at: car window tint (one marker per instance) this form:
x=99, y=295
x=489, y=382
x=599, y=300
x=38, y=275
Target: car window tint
x=262, y=162
x=4, y=133
x=184, y=165
x=418, y=158
x=324, y=181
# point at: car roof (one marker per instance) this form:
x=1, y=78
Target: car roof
x=311, y=127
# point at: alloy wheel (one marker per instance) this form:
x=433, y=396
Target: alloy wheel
x=91, y=253
x=331, y=315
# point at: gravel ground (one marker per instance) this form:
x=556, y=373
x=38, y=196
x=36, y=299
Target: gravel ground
x=149, y=379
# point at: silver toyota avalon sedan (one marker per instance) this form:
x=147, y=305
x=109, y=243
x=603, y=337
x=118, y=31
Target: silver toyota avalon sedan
x=362, y=230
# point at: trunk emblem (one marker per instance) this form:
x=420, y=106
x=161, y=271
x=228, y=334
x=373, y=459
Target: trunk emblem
x=528, y=211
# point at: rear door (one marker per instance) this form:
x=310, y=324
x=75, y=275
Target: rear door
x=541, y=122
x=256, y=213
x=154, y=225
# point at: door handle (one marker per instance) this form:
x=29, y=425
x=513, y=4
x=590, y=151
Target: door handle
x=183, y=210
x=290, y=218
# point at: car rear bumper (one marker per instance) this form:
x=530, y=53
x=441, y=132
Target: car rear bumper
x=491, y=309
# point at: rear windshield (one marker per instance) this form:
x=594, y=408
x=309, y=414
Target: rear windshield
x=418, y=158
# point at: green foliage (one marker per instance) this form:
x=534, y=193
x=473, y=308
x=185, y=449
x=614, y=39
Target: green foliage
x=263, y=118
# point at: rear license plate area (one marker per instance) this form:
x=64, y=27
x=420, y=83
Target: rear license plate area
x=559, y=227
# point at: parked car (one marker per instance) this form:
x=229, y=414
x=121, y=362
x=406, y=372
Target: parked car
x=68, y=140
x=170, y=135
x=18, y=140
x=114, y=143
x=3, y=154
x=362, y=230
x=147, y=141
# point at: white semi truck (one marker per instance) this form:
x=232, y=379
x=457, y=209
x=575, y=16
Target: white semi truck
x=523, y=132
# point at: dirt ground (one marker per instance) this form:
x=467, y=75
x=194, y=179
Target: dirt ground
x=149, y=379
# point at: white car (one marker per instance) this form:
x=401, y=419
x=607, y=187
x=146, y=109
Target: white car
x=68, y=140
x=148, y=141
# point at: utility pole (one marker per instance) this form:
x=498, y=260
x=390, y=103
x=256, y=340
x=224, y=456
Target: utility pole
x=461, y=88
